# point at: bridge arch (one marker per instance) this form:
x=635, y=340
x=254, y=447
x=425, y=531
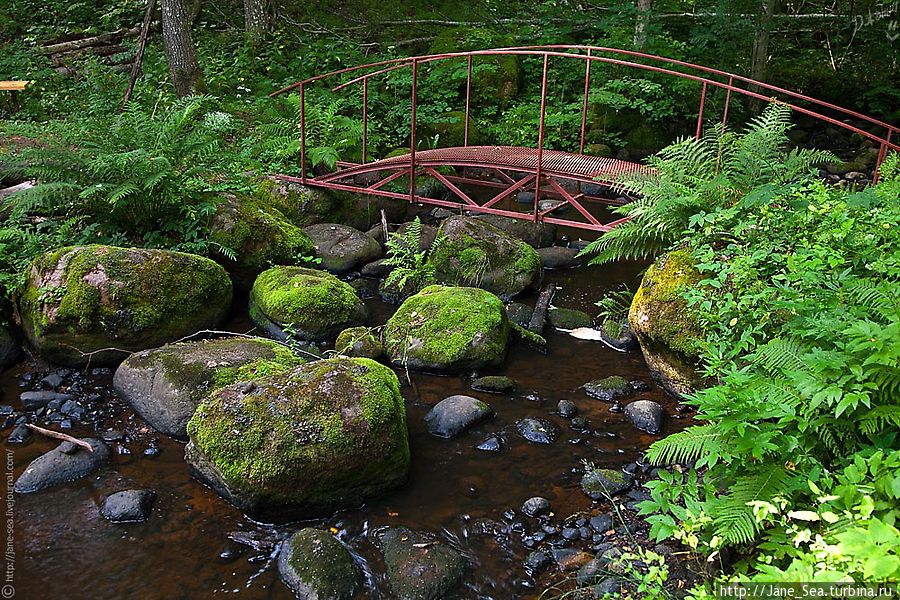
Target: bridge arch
x=568, y=179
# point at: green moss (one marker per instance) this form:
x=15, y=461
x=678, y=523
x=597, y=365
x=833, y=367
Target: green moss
x=300, y=205
x=93, y=297
x=448, y=326
x=315, y=304
x=319, y=564
x=260, y=235
x=532, y=338
x=327, y=432
x=359, y=341
x=659, y=302
x=613, y=382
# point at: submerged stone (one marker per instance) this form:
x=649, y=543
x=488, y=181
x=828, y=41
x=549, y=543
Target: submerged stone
x=495, y=384
x=419, y=567
x=608, y=389
x=316, y=566
x=568, y=319
x=537, y=431
x=61, y=465
x=129, y=506
x=455, y=414
x=604, y=483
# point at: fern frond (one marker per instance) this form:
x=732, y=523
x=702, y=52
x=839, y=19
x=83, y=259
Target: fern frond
x=733, y=516
x=687, y=445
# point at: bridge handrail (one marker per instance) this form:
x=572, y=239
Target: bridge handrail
x=565, y=51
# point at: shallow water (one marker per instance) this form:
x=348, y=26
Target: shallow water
x=64, y=549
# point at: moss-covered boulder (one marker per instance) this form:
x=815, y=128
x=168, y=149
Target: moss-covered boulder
x=311, y=305
x=670, y=339
x=448, y=329
x=342, y=248
x=475, y=253
x=323, y=436
x=361, y=342
x=301, y=205
x=316, y=566
x=260, y=235
x=165, y=385
x=536, y=235
x=81, y=301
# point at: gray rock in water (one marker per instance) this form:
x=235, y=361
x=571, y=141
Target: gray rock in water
x=316, y=566
x=537, y=431
x=419, y=567
x=604, y=483
x=519, y=313
x=455, y=414
x=495, y=384
x=601, y=523
x=646, y=415
x=56, y=467
x=493, y=443
x=566, y=409
x=129, y=506
x=41, y=398
x=568, y=319
x=19, y=435
x=376, y=268
x=608, y=389
x=537, y=562
x=535, y=507
x=342, y=248
x=555, y=257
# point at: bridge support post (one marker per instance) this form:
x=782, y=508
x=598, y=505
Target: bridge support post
x=584, y=103
x=700, y=114
x=412, y=133
x=302, y=134
x=468, y=99
x=540, y=148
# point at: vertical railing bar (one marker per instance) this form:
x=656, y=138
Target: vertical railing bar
x=700, y=115
x=584, y=104
x=302, y=134
x=540, y=156
x=882, y=154
x=412, y=133
x=727, y=101
x=468, y=98
x=365, y=119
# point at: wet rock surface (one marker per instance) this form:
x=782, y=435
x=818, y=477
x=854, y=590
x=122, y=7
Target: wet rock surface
x=537, y=431
x=419, y=566
x=128, y=506
x=62, y=465
x=495, y=384
x=605, y=483
x=454, y=415
x=342, y=248
x=646, y=415
x=608, y=389
x=316, y=566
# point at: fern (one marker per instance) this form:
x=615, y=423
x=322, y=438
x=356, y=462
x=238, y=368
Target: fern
x=693, y=176
x=412, y=270
x=695, y=442
x=733, y=515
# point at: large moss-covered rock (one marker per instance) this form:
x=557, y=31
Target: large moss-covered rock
x=301, y=205
x=475, y=253
x=450, y=129
x=419, y=566
x=316, y=566
x=342, y=248
x=165, y=385
x=536, y=235
x=322, y=436
x=80, y=301
x=448, y=329
x=313, y=305
x=260, y=235
x=670, y=339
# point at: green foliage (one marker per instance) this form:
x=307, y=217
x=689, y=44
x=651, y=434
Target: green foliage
x=798, y=449
x=411, y=269
x=694, y=177
x=614, y=305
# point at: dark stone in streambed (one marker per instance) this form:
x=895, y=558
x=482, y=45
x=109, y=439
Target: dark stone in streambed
x=566, y=409
x=316, y=566
x=19, y=435
x=342, y=248
x=10, y=352
x=56, y=467
x=455, y=414
x=601, y=523
x=537, y=562
x=519, y=313
x=604, y=483
x=646, y=415
x=568, y=319
x=492, y=443
x=128, y=506
x=537, y=431
x=608, y=389
x=419, y=567
x=495, y=384
x=535, y=507
x=555, y=257
x=39, y=399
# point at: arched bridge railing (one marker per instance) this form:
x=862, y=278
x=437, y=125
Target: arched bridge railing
x=565, y=178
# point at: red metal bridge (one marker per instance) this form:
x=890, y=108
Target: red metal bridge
x=549, y=174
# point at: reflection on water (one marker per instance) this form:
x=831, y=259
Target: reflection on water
x=65, y=549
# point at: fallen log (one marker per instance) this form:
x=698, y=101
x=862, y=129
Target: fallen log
x=60, y=436
x=106, y=38
x=539, y=316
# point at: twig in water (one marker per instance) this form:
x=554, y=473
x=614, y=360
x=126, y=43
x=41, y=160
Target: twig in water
x=60, y=436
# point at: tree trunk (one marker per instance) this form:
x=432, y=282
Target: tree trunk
x=186, y=75
x=640, y=25
x=759, y=60
x=256, y=20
